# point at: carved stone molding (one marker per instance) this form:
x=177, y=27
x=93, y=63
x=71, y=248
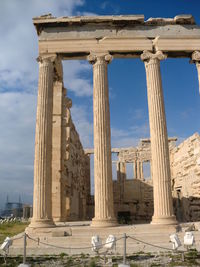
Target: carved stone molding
x=99, y=57
x=47, y=58
x=57, y=64
x=195, y=57
x=148, y=56
x=196, y=60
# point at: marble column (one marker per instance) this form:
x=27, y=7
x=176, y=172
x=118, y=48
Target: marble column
x=121, y=177
x=163, y=207
x=141, y=171
x=118, y=171
x=42, y=207
x=196, y=60
x=104, y=207
x=135, y=174
x=138, y=170
x=121, y=171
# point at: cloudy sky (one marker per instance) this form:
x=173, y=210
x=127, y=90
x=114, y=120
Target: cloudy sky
x=128, y=100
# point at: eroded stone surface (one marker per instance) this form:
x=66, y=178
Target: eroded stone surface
x=133, y=196
x=136, y=196
x=186, y=178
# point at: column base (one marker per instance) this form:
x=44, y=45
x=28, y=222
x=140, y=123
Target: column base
x=42, y=223
x=59, y=219
x=103, y=223
x=164, y=220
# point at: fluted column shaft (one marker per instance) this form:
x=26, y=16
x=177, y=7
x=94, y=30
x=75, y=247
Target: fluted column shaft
x=42, y=208
x=163, y=207
x=138, y=170
x=121, y=171
x=135, y=174
x=141, y=171
x=121, y=177
x=196, y=60
x=104, y=210
x=118, y=166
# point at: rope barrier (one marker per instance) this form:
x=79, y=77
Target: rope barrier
x=156, y=246
x=71, y=248
x=90, y=247
x=100, y=246
x=17, y=238
x=13, y=239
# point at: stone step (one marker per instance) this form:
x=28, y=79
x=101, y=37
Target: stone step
x=81, y=238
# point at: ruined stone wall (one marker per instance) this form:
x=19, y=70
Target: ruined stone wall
x=133, y=198
x=185, y=170
x=70, y=165
x=77, y=167
x=136, y=204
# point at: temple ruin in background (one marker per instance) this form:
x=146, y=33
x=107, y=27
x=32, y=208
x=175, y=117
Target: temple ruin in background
x=62, y=166
x=133, y=196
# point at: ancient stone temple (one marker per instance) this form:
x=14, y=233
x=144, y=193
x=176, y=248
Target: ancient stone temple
x=133, y=196
x=62, y=166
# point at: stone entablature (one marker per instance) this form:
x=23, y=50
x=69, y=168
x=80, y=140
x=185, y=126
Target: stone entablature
x=122, y=36
x=130, y=154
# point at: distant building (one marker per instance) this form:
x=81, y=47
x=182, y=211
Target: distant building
x=27, y=211
x=16, y=209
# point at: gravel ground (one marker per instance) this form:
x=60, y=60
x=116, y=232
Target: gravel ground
x=191, y=258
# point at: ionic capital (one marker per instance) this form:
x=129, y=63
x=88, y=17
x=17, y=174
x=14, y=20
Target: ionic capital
x=148, y=56
x=195, y=57
x=47, y=58
x=99, y=57
x=56, y=61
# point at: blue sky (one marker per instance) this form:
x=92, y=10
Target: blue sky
x=127, y=84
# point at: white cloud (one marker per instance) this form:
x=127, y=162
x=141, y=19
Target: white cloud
x=77, y=77
x=18, y=87
x=120, y=137
x=130, y=136
x=140, y=130
x=125, y=142
x=80, y=116
x=17, y=119
x=18, y=68
x=85, y=13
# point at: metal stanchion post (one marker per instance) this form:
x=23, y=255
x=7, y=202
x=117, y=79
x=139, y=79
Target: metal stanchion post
x=124, y=254
x=24, y=256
